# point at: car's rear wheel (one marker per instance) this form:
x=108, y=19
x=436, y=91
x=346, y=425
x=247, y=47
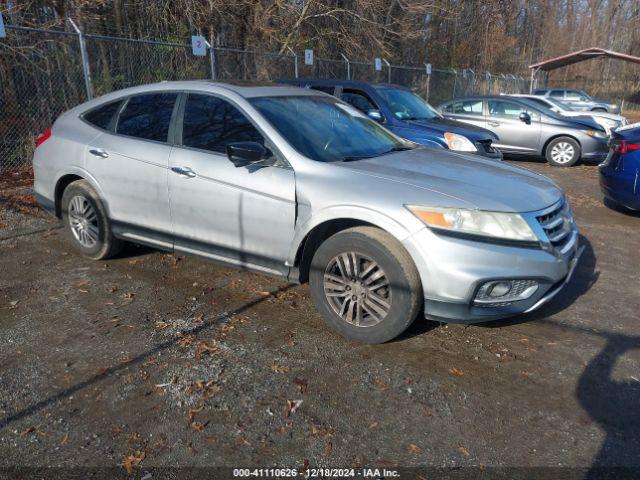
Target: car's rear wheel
x=365, y=285
x=87, y=224
x=563, y=152
x=598, y=109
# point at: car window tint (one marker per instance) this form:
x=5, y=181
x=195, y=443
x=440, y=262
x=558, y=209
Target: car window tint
x=102, y=116
x=358, y=99
x=502, y=109
x=147, y=116
x=324, y=89
x=447, y=108
x=211, y=123
x=557, y=93
x=468, y=107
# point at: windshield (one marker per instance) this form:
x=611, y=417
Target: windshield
x=406, y=105
x=327, y=130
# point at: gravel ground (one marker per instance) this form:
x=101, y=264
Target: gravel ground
x=157, y=360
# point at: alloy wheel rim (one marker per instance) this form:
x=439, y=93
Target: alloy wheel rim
x=83, y=221
x=357, y=289
x=562, y=152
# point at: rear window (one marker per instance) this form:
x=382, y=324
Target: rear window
x=322, y=88
x=101, y=116
x=147, y=116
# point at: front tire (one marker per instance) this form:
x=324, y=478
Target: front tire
x=563, y=152
x=365, y=285
x=86, y=221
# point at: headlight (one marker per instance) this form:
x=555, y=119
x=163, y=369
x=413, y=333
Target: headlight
x=459, y=142
x=596, y=134
x=510, y=226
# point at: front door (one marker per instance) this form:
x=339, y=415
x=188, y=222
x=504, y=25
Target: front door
x=243, y=215
x=515, y=136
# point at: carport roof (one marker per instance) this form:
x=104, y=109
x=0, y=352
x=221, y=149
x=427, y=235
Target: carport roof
x=580, y=56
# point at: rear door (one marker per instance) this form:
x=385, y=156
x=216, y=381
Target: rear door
x=242, y=215
x=130, y=164
x=514, y=135
x=468, y=111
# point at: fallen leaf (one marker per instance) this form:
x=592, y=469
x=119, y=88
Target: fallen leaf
x=456, y=371
x=65, y=439
x=413, y=449
x=328, y=448
x=280, y=368
x=131, y=461
x=292, y=406
x=302, y=384
x=463, y=451
x=27, y=431
x=374, y=425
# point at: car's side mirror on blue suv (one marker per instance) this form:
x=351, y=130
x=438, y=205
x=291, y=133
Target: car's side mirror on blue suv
x=375, y=115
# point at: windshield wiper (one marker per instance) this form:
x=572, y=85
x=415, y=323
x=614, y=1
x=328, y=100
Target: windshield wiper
x=397, y=148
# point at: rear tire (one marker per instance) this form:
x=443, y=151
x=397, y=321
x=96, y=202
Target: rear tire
x=563, y=152
x=365, y=285
x=87, y=224
x=598, y=109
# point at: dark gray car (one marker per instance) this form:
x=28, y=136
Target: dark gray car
x=526, y=128
x=578, y=100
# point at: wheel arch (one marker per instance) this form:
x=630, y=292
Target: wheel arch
x=319, y=231
x=65, y=179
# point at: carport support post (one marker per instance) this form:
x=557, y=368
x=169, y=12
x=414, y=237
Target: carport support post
x=85, y=60
x=348, y=66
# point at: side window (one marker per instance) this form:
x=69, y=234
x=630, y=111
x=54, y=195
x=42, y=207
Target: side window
x=468, y=107
x=502, y=109
x=322, y=88
x=358, y=99
x=210, y=123
x=447, y=108
x=557, y=94
x=147, y=116
x=101, y=116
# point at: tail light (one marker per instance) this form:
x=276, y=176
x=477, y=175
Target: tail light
x=623, y=147
x=43, y=137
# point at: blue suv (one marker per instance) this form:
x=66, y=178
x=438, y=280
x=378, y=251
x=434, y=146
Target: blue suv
x=407, y=115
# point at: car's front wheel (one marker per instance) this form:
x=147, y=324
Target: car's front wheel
x=365, y=285
x=563, y=152
x=86, y=221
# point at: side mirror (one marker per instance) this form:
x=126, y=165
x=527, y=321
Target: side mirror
x=375, y=115
x=242, y=154
x=525, y=117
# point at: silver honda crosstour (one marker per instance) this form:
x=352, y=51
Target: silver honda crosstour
x=297, y=184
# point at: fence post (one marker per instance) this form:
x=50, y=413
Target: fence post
x=348, y=66
x=426, y=68
x=295, y=61
x=85, y=60
x=455, y=80
x=389, y=67
x=212, y=58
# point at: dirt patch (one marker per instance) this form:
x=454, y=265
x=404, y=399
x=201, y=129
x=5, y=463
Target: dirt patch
x=154, y=360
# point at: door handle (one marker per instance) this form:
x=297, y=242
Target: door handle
x=494, y=124
x=184, y=171
x=99, y=152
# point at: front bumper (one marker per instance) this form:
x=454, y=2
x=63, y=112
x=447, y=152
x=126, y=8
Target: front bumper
x=452, y=271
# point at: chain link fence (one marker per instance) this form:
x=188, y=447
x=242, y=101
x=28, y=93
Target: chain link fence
x=45, y=72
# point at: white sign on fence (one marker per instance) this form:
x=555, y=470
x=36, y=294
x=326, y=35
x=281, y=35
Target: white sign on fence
x=199, y=45
x=308, y=57
x=378, y=63
x=428, y=66
x=3, y=33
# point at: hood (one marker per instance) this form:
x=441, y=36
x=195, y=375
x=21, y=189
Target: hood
x=441, y=124
x=583, y=121
x=473, y=181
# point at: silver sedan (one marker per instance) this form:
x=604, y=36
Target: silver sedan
x=296, y=184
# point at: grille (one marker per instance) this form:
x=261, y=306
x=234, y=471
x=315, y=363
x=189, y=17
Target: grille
x=557, y=224
x=485, y=146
